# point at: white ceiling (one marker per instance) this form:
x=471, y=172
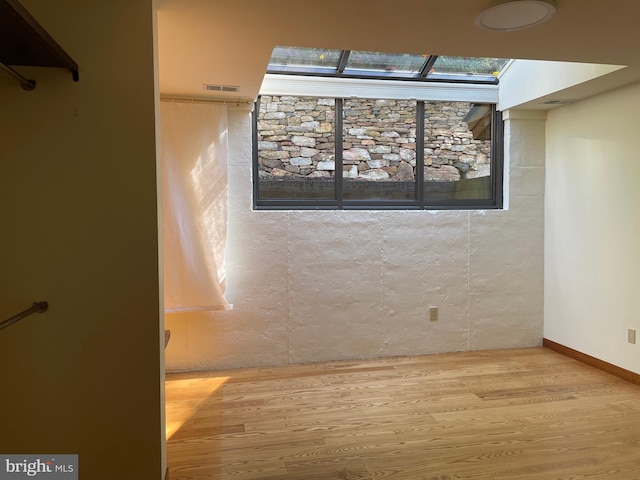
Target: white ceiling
x=229, y=42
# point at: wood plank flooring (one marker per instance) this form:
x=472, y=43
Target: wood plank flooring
x=522, y=414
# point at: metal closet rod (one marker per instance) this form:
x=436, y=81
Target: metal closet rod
x=25, y=83
x=37, y=307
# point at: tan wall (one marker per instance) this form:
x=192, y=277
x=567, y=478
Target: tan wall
x=79, y=230
x=592, y=227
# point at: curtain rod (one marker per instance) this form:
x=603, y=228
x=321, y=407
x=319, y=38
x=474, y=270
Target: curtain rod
x=205, y=100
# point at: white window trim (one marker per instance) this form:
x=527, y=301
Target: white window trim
x=302, y=85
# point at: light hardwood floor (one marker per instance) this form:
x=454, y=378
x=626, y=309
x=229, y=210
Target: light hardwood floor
x=519, y=414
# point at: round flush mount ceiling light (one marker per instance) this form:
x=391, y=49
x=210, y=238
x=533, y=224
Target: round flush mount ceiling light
x=516, y=14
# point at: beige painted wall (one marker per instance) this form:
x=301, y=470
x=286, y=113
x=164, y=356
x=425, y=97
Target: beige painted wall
x=592, y=227
x=322, y=285
x=554, y=81
x=79, y=230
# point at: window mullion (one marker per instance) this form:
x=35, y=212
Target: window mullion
x=254, y=153
x=428, y=64
x=338, y=122
x=420, y=153
x=342, y=62
x=497, y=156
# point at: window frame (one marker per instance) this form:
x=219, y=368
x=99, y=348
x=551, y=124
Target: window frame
x=421, y=201
x=344, y=69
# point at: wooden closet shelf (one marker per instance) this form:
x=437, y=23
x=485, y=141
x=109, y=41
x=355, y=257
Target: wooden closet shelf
x=24, y=42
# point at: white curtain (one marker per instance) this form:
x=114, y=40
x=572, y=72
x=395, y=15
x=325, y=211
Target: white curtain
x=194, y=203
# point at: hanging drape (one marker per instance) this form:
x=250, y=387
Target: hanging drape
x=194, y=205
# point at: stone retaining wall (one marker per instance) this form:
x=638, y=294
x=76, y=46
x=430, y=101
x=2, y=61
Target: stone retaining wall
x=296, y=139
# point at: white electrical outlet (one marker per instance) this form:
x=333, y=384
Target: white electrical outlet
x=433, y=314
x=631, y=335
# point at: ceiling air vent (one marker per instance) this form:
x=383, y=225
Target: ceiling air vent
x=559, y=102
x=221, y=88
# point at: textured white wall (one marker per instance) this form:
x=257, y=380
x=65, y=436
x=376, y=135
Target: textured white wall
x=592, y=265
x=323, y=285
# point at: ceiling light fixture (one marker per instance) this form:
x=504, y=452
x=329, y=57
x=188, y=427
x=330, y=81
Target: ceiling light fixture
x=516, y=14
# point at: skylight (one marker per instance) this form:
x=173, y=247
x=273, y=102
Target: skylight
x=393, y=66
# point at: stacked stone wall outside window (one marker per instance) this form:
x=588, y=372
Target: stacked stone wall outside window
x=296, y=139
x=379, y=139
x=450, y=151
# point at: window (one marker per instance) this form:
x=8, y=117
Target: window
x=296, y=150
x=341, y=129
x=379, y=150
x=397, y=66
x=316, y=152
